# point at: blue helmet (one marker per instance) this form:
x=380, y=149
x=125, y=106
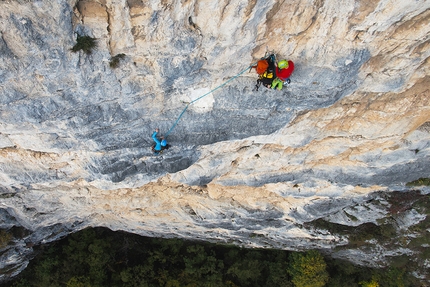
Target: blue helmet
x=163, y=143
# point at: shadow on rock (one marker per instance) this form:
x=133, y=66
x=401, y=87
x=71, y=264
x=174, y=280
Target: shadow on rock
x=120, y=167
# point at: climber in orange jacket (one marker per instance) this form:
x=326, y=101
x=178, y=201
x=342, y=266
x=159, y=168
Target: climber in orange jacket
x=283, y=72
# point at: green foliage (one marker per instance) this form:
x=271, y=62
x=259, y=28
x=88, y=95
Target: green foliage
x=249, y=270
x=246, y=272
x=135, y=276
x=343, y=273
x=45, y=272
x=372, y=283
x=100, y=257
x=89, y=254
x=404, y=201
x=21, y=283
x=114, y=61
x=419, y=182
x=350, y=216
x=388, y=277
x=200, y=264
x=276, y=271
x=5, y=238
x=84, y=43
x=364, y=232
x=395, y=277
x=80, y=260
x=308, y=269
x=79, y=282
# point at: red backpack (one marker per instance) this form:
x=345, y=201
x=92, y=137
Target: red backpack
x=262, y=66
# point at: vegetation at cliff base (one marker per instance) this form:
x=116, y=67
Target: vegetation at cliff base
x=387, y=233
x=419, y=182
x=84, y=43
x=308, y=270
x=101, y=257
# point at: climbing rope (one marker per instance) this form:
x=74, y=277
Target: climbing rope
x=193, y=101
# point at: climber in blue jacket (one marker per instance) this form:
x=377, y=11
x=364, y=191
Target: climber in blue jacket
x=160, y=145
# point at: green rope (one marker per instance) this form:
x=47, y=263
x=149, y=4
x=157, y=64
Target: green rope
x=193, y=101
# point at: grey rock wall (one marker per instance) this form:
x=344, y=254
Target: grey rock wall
x=75, y=133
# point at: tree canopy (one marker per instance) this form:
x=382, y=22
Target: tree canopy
x=99, y=257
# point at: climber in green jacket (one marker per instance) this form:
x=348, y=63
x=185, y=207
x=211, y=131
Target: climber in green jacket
x=283, y=72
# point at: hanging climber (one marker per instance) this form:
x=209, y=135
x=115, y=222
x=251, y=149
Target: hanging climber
x=159, y=145
x=265, y=69
x=283, y=72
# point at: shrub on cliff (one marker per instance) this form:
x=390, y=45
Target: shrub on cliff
x=84, y=43
x=114, y=61
x=419, y=182
x=5, y=237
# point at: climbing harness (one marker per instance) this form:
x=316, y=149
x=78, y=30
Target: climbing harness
x=193, y=101
x=266, y=78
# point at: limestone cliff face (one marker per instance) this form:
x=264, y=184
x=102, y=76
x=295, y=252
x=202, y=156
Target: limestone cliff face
x=75, y=133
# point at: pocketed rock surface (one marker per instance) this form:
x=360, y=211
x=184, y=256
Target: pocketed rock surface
x=245, y=167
